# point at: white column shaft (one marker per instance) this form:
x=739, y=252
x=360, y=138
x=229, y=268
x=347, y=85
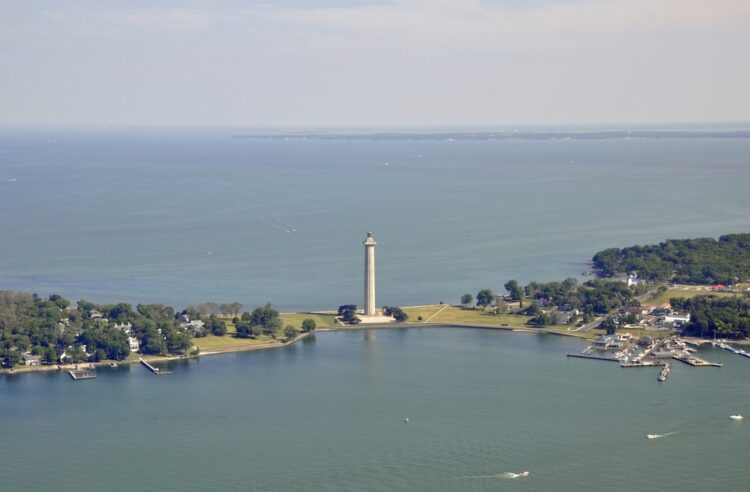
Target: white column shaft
x=370, y=280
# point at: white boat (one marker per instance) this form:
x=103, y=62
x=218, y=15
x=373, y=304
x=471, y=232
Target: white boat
x=735, y=417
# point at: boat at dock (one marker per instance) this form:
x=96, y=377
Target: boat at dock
x=664, y=373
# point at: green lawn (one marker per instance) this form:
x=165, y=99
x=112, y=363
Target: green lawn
x=226, y=343
x=684, y=292
x=229, y=343
x=296, y=319
x=453, y=314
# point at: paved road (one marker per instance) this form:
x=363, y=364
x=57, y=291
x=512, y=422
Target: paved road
x=591, y=325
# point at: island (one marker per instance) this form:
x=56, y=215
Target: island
x=692, y=287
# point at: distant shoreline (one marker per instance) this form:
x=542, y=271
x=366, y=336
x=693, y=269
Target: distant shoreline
x=505, y=135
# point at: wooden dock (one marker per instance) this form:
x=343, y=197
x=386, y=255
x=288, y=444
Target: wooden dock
x=153, y=369
x=695, y=361
x=78, y=374
x=595, y=357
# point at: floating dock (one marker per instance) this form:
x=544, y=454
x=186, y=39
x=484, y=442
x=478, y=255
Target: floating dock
x=595, y=357
x=695, y=361
x=82, y=374
x=641, y=364
x=153, y=369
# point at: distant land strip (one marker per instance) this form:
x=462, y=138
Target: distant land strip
x=503, y=135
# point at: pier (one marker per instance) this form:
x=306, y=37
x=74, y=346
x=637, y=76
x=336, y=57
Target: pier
x=695, y=361
x=664, y=373
x=77, y=374
x=153, y=369
x=595, y=357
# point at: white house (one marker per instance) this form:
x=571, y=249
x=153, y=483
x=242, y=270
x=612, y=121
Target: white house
x=134, y=345
x=672, y=318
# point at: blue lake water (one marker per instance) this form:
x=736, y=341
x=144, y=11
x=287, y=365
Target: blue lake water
x=132, y=215
x=110, y=215
x=328, y=415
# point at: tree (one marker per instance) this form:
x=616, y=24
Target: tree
x=467, y=300
x=308, y=325
x=11, y=358
x=290, y=332
x=348, y=313
x=485, y=297
x=541, y=319
x=608, y=324
x=399, y=314
x=396, y=312
x=50, y=355
x=264, y=316
x=121, y=310
x=155, y=311
x=244, y=329
x=532, y=310
x=216, y=326
x=59, y=301
x=514, y=289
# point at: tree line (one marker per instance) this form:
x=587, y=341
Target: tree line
x=594, y=297
x=689, y=261
x=53, y=330
x=715, y=317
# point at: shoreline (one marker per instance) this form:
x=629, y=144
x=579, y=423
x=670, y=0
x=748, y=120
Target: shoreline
x=273, y=345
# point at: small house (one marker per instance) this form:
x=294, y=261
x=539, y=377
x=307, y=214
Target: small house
x=32, y=360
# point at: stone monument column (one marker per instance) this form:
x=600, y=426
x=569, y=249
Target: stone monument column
x=369, y=275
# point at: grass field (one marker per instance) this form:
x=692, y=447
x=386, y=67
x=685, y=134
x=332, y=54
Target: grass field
x=229, y=343
x=685, y=292
x=296, y=319
x=452, y=314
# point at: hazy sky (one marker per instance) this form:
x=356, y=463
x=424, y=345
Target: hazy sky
x=361, y=62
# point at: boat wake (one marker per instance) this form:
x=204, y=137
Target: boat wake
x=658, y=436
x=507, y=475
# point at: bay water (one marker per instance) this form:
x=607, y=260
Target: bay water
x=185, y=216
x=328, y=414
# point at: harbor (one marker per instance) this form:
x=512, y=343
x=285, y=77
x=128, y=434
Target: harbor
x=632, y=352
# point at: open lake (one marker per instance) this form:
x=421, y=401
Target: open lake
x=329, y=414
x=132, y=215
x=190, y=216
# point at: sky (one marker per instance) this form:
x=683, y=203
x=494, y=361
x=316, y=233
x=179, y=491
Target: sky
x=388, y=63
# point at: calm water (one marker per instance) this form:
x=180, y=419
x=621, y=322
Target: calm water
x=328, y=415
x=131, y=215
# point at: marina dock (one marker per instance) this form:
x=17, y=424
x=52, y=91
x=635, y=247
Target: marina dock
x=664, y=373
x=153, y=369
x=695, y=361
x=596, y=357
